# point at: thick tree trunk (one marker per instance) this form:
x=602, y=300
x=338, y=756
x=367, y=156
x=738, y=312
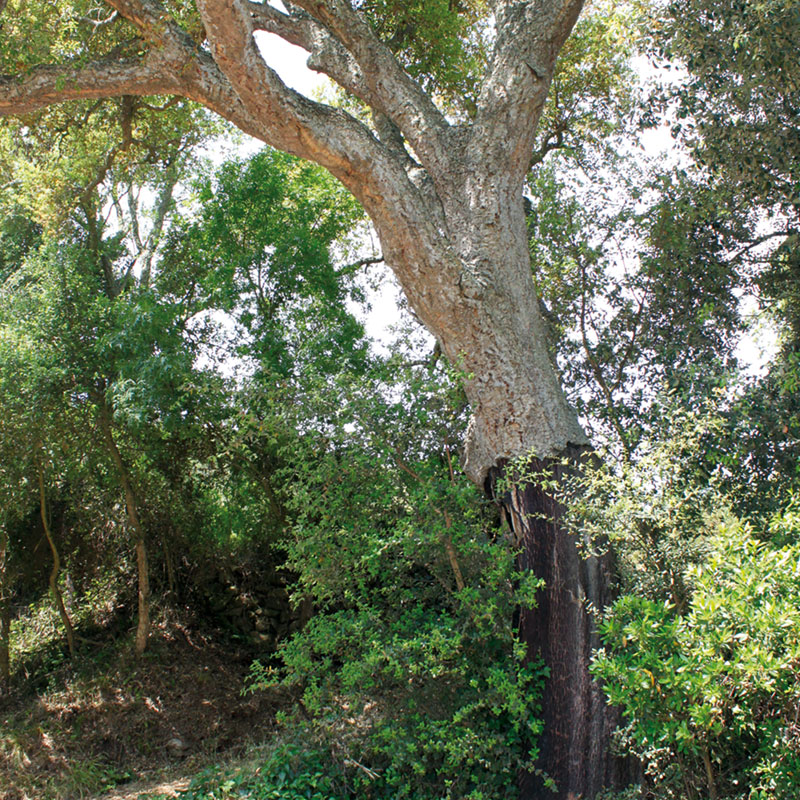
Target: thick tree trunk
x=131, y=507
x=485, y=315
x=54, y=588
x=575, y=745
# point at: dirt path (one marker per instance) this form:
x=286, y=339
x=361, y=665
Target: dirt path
x=117, y=716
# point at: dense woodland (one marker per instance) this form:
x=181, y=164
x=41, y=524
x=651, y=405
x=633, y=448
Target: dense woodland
x=246, y=543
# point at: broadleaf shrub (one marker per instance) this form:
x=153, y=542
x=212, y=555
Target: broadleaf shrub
x=711, y=695
x=409, y=670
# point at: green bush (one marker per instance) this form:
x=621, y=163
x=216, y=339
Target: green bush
x=711, y=695
x=409, y=671
x=287, y=773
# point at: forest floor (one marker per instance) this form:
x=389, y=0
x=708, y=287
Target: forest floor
x=108, y=725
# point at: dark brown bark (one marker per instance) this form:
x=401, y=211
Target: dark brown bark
x=54, y=588
x=575, y=746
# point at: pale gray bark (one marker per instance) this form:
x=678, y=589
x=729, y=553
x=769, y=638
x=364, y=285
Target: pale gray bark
x=450, y=219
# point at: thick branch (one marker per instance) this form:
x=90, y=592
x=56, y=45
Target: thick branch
x=292, y=122
x=46, y=85
x=529, y=37
x=393, y=91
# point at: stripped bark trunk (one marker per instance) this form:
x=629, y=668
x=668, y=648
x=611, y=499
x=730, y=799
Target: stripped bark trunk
x=54, y=587
x=137, y=533
x=574, y=749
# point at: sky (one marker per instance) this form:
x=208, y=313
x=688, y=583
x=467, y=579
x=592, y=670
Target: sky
x=289, y=62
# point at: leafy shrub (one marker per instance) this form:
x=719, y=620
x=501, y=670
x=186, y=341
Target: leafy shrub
x=409, y=670
x=287, y=773
x=711, y=695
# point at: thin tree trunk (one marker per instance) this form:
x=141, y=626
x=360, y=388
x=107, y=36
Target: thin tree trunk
x=143, y=571
x=5, y=642
x=574, y=748
x=169, y=562
x=710, y=781
x=143, y=624
x=5, y=614
x=54, y=588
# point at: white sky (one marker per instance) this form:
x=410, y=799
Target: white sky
x=289, y=62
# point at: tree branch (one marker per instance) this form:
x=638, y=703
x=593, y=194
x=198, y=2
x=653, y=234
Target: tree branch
x=151, y=19
x=291, y=122
x=392, y=90
x=351, y=269
x=529, y=37
x=49, y=84
x=144, y=258
x=234, y=81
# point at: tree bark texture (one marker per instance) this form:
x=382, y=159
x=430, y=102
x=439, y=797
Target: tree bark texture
x=578, y=725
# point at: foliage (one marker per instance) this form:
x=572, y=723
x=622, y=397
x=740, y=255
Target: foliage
x=728, y=87
x=343, y=467
x=409, y=667
x=261, y=246
x=442, y=44
x=757, y=447
x=592, y=95
x=622, y=334
x=655, y=510
x=289, y=772
x=710, y=694
x=700, y=650
x=739, y=100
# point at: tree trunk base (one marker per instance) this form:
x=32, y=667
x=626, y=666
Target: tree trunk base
x=575, y=746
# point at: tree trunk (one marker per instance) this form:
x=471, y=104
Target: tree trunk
x=487, y=321
x=169, y=563
x=574, y=749
x=5, y=642
x=143, y=571
x=142, y=568
x=54, y=588
x=5, y=614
